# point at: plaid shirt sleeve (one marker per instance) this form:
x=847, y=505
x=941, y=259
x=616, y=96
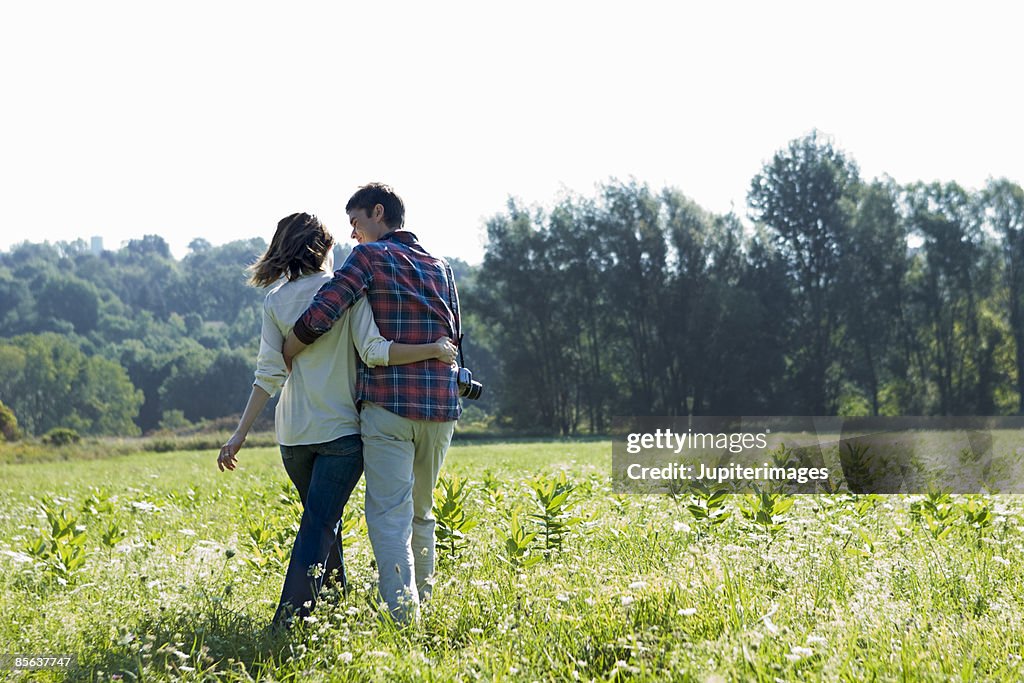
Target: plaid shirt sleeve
x=350, y=282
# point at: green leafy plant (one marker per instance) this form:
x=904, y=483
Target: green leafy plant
x=858, y=464
x=450, y=512
x=112, y=534
x=98, y=502
x=492, y=487
x=552, y=496
x=976, y=513
x=936, y=512
x=61, y=436
x=860, y=544
x=864, y=503
x=351, y=522
x=707, y=505
x=766, y=509
x=518, y=543
x=62, y=548
x=183, y=500
x=270, y=544
x=784, y=457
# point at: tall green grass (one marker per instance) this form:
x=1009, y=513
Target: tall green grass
x=183, y=566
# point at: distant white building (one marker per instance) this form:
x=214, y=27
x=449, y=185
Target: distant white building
x=96, y=245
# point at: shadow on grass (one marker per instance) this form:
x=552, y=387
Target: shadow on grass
x=216, y=641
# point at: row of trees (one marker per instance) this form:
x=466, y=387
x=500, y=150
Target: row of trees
x=842, y=295
x=124, y=341
x=65, y=288
x=128, y=341
x=853, y=296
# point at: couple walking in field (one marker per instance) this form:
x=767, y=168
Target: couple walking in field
x=389, y=414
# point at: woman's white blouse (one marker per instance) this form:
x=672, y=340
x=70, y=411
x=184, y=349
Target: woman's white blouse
x=317, y=400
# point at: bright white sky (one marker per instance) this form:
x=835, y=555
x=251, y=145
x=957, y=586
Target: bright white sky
x=216, y=119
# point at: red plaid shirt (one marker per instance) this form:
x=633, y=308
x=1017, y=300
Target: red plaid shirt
x=412, y=302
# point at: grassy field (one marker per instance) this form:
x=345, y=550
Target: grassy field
x=157, y=566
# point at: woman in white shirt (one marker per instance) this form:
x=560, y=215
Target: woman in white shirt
x=316, y=420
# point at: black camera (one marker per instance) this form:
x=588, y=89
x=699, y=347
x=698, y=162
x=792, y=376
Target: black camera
x=468, y=387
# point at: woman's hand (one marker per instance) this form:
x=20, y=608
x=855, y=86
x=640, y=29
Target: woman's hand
x=446, y=350
x=226, y=459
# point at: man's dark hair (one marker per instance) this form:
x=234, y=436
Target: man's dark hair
x=372, y=194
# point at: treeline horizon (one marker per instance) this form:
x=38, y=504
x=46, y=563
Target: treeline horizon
x=847, y=296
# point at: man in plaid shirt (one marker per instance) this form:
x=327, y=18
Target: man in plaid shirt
x=408, y=412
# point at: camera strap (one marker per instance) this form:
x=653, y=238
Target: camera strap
x=456, y=314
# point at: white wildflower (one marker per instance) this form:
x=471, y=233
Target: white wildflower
x=687, y=611
x=16, y=556
x=627, y=600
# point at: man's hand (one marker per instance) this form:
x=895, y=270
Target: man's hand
x=292, y=347
x=446, y=350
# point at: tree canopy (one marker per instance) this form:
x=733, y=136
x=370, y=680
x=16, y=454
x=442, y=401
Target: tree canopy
x=839, y=295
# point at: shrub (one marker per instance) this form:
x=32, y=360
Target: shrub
x=174, y=419
x=61, y=436
x=8, y=423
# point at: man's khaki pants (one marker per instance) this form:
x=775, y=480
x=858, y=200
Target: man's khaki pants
x=401, y=459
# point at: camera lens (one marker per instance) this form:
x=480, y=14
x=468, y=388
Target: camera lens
x=472, y=390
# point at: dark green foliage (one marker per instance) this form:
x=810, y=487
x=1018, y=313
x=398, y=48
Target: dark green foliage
x=49, y=381
x=73, y=300
x=206, y=385
x=851, y=297
x=1003, y=206
x=61, y=436
x=17, y=305
x=61, y=548
x=136, y=308
x=844, y=296
x=631, y=304
x=8, y=423
x=804, y=198
x=948, y=281
x=870, y=279
x=453, y=520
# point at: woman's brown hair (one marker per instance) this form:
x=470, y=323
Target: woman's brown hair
x=299, y=247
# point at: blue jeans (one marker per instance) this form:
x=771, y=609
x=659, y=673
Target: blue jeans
x=325, y=475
